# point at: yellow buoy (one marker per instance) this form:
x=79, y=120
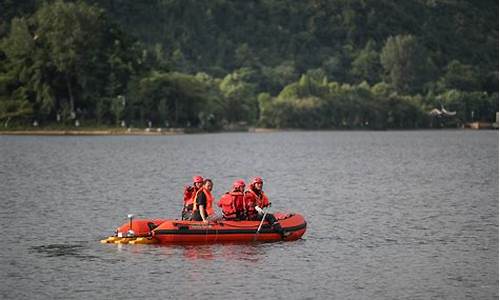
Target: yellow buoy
x=126, y=240
x=144, y=240
x=110, y=239
x=129, y=240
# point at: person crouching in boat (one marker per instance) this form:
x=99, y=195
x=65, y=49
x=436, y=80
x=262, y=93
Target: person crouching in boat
x=255, y=200
x=232, y=203
x=202, y=204
x=189, y=196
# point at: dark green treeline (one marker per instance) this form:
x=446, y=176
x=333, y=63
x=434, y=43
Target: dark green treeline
x=215, y=64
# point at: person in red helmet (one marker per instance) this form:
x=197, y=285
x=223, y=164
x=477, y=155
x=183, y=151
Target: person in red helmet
x=232, y=203
x=189, y=194
x=255, y=196
x=202, y=204
x=255, y=200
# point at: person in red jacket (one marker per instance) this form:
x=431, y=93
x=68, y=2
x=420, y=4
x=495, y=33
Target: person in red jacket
x=232, y=203
x=189, y=194
x=255, y=201
x=202, y=205
x=208, y=185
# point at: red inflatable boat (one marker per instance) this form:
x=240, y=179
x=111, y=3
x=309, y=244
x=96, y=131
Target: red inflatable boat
x=142, y=231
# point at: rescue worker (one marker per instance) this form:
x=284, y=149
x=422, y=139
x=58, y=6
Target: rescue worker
x=232, y=203
x=208, y=185
x=255, y=201
x=189, y=194
x=202, y=203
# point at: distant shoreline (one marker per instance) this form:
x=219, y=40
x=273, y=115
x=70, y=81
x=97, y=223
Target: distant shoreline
x=92, y=132
x=118, y=132
x=180, y=131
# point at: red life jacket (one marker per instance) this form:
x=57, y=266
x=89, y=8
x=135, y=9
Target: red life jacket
x=232, y=204
x=250, y=203
x=189, y=195
x=239, y=202
x=262, y=200
x=210, y=199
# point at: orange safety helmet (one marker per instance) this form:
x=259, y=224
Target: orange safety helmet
x=256, y=180
x=197, y=179
x=239, y=183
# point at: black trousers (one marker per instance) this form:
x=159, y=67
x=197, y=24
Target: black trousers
x=270, y=218
x=197, y=216
x=274, y=223
x=187, y=212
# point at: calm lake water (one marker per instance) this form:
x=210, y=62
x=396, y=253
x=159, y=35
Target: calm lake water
x=391, y=215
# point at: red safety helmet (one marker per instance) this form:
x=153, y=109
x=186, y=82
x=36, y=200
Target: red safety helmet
x=238, y=184
x=197, y=179
x=257, y=180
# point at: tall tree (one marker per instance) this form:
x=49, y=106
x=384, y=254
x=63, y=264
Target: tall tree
x=406, y=63
x=239, y=101
x=461, y=77
x=22, y=77
x=366, y=66
x=72, y=33
x=68, y=56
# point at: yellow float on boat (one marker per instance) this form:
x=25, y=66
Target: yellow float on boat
x=144, y=240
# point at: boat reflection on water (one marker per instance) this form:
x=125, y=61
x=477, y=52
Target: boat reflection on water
x=225, y=252
x=196, y=252
x=239, y=252
x=243, y=252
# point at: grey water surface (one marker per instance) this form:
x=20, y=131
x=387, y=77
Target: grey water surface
x=391, y=215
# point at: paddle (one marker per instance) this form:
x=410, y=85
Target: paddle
x=260, y=225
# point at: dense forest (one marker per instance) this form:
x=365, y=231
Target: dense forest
x=222, y=64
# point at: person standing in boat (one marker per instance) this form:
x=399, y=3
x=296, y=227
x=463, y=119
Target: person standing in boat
x=189, y=195
x=202, y=204
x=232, y=203
x=255, y=200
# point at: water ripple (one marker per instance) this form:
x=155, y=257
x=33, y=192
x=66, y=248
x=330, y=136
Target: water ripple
x=391, y=215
